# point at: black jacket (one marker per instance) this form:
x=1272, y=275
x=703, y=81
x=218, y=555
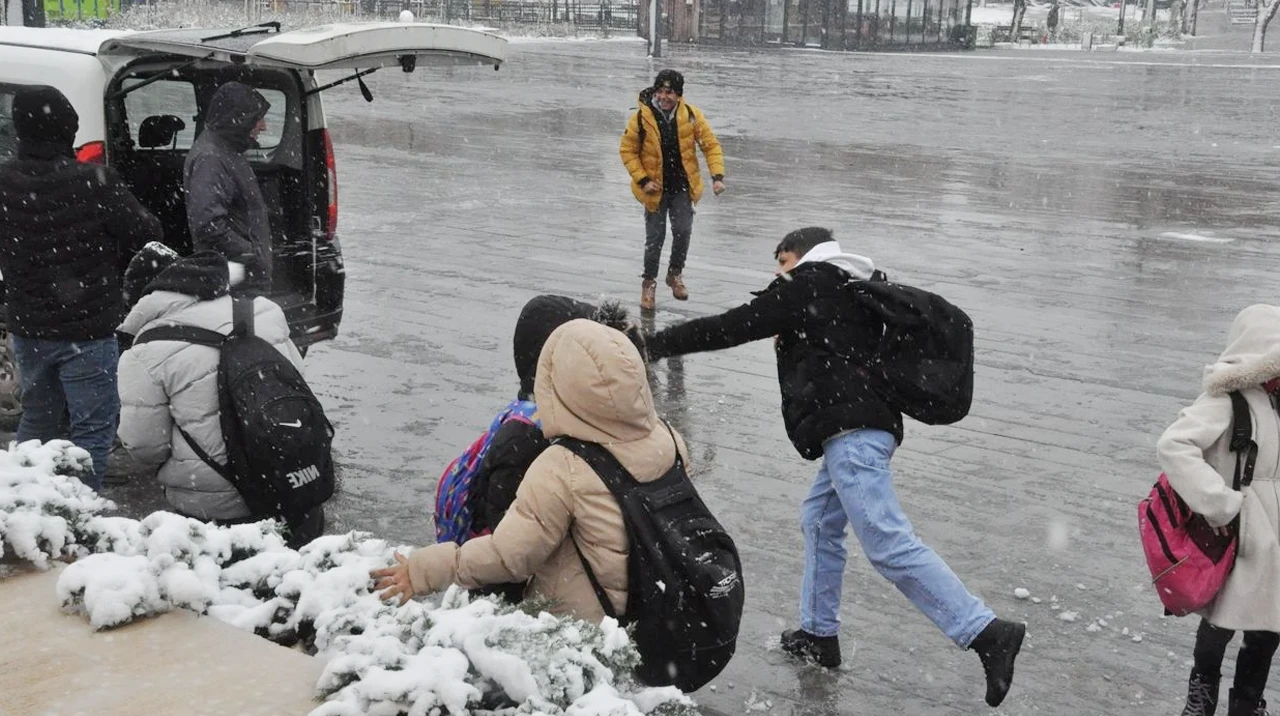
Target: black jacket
x=67, y=232
x=823, y=340
x=225, y=209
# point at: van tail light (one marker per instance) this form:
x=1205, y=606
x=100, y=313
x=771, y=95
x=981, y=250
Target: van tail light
x=92, y=153
x=331, y=228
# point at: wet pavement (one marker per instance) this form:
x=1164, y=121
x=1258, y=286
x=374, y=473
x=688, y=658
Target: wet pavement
x=1101, y=218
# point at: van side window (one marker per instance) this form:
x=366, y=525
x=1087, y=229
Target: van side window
x=276, y=118
x=8, y=139
x=161, y=115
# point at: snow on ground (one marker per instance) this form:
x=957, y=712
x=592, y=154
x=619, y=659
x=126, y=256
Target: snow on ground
x=447, y=654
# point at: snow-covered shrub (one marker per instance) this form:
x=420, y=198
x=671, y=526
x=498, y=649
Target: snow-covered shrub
x=447, y=654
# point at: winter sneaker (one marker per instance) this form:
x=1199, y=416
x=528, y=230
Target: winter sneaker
x=676, y=282
x=998, y=646
x=1202, y=695
x=648, y=294
x=821, y=650
x=1246, y=702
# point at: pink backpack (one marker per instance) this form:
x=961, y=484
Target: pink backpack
x=1189, y=562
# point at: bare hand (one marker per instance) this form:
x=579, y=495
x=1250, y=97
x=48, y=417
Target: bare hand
x=1222, y=531
x=394, y=581
x=717, y=187
x=653, y=187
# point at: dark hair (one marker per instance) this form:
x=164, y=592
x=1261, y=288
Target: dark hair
x=801, y=241
x=670, y=79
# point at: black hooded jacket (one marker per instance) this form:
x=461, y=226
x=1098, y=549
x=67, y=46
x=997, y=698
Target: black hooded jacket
x=67, y=232
x=517, y=444
x=225, y=209
x=823, y=340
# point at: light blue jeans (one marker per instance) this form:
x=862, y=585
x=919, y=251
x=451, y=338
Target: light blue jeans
x=854, y=487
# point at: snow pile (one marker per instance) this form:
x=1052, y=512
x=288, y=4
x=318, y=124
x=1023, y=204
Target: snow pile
x=42, y=505
x=449, y=654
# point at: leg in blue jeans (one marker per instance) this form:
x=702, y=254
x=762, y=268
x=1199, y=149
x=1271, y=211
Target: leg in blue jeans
x=856, y=469
x=78, y=377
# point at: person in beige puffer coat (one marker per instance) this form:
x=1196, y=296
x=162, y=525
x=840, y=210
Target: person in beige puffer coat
x=591, y=385
x=1195, y=453
x=167, y=384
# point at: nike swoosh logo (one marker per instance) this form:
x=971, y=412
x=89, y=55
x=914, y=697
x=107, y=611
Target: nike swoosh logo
x=295, y=424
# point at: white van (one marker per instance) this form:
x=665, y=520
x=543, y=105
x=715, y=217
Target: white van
x=141, y=98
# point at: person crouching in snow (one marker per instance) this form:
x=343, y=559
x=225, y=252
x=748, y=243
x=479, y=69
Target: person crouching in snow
x=168, y=386
x=1195, y=453
x=591, y=385
x=823, y=339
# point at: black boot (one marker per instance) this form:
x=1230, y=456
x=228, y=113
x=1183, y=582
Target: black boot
x=1246, y=702
x=998, y=646
x=1202, y=695
x=821, y=650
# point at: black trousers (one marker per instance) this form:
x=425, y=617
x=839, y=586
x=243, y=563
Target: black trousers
x=679, y=206
x=1253, y=663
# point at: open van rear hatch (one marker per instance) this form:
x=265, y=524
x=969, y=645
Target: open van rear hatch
x=363, y=46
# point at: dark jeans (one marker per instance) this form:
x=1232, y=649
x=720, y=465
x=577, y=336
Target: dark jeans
x=680, y=207
x=1253, y=664
x=75, y=379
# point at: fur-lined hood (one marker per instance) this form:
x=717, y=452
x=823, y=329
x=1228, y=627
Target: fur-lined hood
x=1252, y=356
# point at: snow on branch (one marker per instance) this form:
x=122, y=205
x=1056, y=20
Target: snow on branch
x=446, y=655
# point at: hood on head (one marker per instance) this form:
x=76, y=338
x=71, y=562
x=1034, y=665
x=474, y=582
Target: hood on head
x=539, y=317
x=860, y=267
x=592, y=385
x=1252, y=355
x=44, y=118
x=235, y=109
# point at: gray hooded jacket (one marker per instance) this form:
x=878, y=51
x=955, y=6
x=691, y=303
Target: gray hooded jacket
x=225, y=209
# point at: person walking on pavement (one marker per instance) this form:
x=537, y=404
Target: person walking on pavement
x=823, y=340
x=659, y=150
x=225, y=209
x=1195, y=454
x=67, y=232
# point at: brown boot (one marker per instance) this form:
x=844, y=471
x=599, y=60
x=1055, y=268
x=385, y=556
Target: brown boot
x=648, y=294
x=676, y=282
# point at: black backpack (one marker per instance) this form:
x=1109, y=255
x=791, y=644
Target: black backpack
x=925, y=362
x=685, y=588
x=278, y=439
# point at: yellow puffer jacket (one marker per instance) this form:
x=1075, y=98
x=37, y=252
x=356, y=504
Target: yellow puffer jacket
x=646, y=162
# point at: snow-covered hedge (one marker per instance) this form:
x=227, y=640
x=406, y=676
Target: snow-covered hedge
x=446, y=655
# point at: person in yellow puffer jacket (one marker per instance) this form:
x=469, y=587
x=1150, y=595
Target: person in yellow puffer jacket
x=659, y=150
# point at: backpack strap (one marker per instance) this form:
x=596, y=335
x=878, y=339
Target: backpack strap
x=182, y=334
x=639, y=130
x=242, y=316
x=1242, y=443
x=619, y=481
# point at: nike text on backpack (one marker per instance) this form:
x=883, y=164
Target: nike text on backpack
x=925, y=363
x=278, y=439
x=453, y=492
x=1189, y=561
x=684, y=579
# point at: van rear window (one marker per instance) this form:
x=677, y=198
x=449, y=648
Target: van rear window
x=162, y=115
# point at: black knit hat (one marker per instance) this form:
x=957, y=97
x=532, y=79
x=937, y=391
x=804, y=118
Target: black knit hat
x=145, y=266
x=43, y=114
x=203, y=275
x=670, y=79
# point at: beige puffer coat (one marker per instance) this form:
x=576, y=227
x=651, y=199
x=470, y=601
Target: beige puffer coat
x=165, y=384
x=591, y=385
x=1195, y=453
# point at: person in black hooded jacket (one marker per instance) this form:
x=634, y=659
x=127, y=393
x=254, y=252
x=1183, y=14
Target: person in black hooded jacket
x=518, y=443
x=225, y=209
x=832, y=410
x=67, y=232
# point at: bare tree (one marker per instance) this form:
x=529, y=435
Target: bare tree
x=1020, y=9
x=1266, y=11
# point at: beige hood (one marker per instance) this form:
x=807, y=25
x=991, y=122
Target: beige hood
x=592, y=385
x=1252, y=356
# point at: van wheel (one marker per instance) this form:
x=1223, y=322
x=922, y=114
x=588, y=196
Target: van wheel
x=10, y=385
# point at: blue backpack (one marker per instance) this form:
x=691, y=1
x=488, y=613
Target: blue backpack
x=453, y=509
